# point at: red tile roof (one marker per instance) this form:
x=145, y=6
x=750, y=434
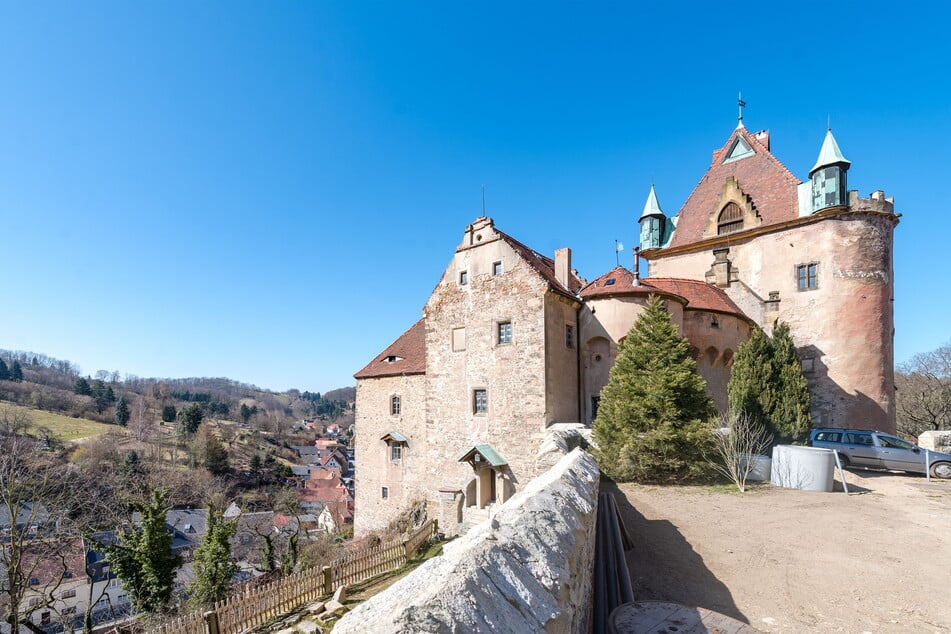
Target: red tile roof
x=543, y=265
x=696, y=295
x=769, y=184
x=410, y=351
x=699, y=295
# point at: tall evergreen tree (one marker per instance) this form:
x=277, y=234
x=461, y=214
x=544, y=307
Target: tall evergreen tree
x=82, y=387
x=4, y=371
x=143, y=559
x=169, y=413
x=214, y=568
x=652, y=422
x=16, y=372
x=189, y=420
x=768, y=385
x=122, y=412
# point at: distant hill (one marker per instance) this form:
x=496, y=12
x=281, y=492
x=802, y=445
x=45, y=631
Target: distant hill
x=56, y=385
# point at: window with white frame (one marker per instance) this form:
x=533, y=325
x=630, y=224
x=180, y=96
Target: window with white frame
x=504, y=332
x=396, y=405
x=396, y=452
x=497, y=268
x=480, y=401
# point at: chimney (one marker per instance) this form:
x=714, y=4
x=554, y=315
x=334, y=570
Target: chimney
x=563, y=267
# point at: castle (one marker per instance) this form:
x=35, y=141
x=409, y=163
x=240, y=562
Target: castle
x=512, y=341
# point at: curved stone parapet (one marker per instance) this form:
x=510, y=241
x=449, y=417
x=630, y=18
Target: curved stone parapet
x=527, y=569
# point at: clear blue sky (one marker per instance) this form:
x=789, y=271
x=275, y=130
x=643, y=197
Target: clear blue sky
x=269, y=191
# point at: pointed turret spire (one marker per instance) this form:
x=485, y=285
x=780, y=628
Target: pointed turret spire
x=830, y=154
x=651, y=207
x=653, y=223
x=828, y=176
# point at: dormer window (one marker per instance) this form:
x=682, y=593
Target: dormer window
x=730, y=220
x=610, y=281
x=392, y=359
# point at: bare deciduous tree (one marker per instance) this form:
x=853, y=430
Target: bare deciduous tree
x=736, y=446
x=923, y=392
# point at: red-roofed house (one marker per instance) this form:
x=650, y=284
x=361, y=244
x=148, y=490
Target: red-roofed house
x=511, y=341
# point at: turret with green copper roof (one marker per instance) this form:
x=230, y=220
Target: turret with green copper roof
x=654, y=224
x=828, y=176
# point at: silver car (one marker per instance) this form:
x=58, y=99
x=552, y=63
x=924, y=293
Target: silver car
x=864, y=448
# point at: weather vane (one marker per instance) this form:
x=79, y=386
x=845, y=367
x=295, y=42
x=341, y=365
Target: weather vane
x=618, y=247
x=741, y=104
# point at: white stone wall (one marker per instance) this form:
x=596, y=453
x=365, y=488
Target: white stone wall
x=528, y=569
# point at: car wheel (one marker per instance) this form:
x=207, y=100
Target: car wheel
x=941, y=470
x=844, y=461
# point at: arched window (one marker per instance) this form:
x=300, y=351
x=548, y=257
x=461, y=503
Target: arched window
x=730, y=220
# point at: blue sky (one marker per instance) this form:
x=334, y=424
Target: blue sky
x=270, y=191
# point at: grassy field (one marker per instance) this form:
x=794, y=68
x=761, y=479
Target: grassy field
x=63, y=427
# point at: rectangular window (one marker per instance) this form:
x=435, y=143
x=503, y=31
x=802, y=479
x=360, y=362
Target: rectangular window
x=113, y=583
x=395, y=406
x=385, y=493
x=458, y=339
x=807, y=276
x=569, y=336
x=396, y=452
x=463, y=278
x=68, y=594
x=44, y=618
x=71, y=610
x=505, y=332
x=35, y=601
x=480, y=402
x=497, y=268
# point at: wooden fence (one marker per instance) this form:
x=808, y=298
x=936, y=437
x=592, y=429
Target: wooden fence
x=255, y=606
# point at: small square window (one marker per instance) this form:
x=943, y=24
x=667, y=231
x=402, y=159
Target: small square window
x=395, y=406
x=396, y=452
x=385, y=493
x=463, y=278
x=505, y=332
x=497, y=268
x=807, y=276
x=44, y=618
x=569, y=336
x=480, y=402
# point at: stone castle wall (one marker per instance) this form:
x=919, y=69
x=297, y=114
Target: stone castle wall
x=843, y=328
x=528, y=569
x=405, y=479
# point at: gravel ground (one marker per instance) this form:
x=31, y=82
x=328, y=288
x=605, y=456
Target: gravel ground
x=782, y=560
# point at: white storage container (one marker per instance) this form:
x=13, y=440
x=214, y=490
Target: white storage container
x=807, y=468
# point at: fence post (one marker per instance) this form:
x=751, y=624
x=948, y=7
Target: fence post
x=328, y=579
x=211, y=622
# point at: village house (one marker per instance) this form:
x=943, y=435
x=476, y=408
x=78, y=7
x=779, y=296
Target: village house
x=513, y=341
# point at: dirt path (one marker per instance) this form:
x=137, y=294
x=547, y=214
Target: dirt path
x=876, y=560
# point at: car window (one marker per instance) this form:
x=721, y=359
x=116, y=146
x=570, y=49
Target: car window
x=859, y=439
x=895, y=443
x=829, y=436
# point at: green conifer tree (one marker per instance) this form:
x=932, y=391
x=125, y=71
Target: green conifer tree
x=214, y=568
x=652, y=422
x=143, y=559
x=768, y=385
x=122, y=412
x=82, y=387
x=16, y=372
x=4, y=371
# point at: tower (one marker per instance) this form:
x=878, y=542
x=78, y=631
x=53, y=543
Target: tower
x=653, y=223
x=828, y=176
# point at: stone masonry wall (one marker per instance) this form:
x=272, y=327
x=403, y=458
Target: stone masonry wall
x=528, y=569
x=844, y=328
x=402, y=479
x=513, y=374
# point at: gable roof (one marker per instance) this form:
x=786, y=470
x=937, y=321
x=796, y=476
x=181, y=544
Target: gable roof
x=544, y=266
x=409, y=350
x=696, y=295
x=769, y=184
